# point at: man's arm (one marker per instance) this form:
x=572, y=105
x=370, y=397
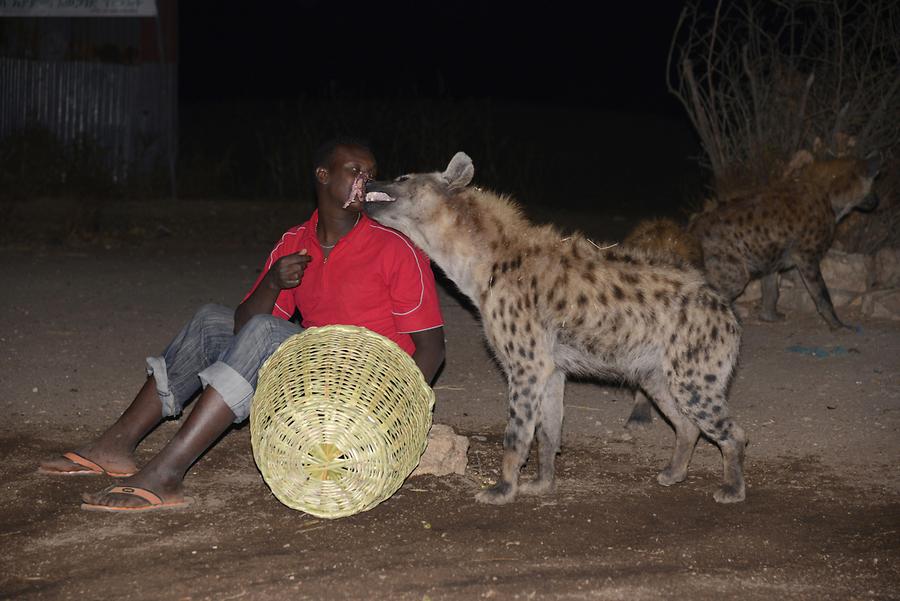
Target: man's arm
x=260, y=302
x=429, y=352
x=285, y=273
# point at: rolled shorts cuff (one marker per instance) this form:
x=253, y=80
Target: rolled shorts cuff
x=156, y=367
x=237, y=391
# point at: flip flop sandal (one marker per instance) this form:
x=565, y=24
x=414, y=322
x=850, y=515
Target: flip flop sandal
x=154, y=501
x=93, y=469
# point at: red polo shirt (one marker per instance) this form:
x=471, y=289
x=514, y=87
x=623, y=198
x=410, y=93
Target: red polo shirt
x=374, y=278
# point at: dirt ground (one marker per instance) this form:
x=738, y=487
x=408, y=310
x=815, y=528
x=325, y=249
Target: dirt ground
x=821, y=519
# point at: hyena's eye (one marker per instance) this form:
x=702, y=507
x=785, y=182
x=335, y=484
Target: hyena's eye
x=402, y=178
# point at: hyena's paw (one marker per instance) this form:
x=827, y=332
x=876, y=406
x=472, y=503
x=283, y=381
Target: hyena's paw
x=537, y=487
x=499, y=494
x=836, y=325
x=638, y=422
x=729, y=494
x=847, y=326
x=641, y=414
x=770, y=316
x=668, y=476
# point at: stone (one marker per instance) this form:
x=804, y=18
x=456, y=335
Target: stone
x=887, y=268
x=751, y=294
x=850, y=272
x=847, y=275
x=882, y=304
x=445, y=453
x=793, y=296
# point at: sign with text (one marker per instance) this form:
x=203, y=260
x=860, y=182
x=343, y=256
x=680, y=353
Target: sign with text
x=77, y=8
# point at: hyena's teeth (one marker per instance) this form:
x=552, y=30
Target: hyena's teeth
x=378, y=197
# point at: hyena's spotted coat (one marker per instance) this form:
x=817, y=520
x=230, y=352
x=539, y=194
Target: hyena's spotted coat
x=788, y=224
x=665, y=238
x=552, y=306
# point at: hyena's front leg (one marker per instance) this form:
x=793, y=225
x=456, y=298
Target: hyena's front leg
x=769, y=301
x=525, y=386
x=549, y=434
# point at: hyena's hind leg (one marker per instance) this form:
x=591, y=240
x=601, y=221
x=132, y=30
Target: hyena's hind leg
x=641, y=412
x=549, y=435
x=707, y=408
x=686, y=431
x=526, y=385
x=732, y=442
x=815, y=285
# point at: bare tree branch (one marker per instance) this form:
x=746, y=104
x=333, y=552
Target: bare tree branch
x=744, y=75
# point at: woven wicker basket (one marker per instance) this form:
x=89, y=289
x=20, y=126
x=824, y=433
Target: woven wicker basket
x=340, y=418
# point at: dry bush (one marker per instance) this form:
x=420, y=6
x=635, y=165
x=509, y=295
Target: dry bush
x=763, y=79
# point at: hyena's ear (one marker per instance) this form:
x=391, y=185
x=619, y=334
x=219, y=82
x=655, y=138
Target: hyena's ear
x=801, y=159
x=873, y=163
x=459, y=172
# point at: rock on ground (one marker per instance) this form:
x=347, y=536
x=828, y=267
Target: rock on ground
x=444, y=454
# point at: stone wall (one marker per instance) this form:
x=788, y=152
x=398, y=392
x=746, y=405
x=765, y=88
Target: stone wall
x=870, y=283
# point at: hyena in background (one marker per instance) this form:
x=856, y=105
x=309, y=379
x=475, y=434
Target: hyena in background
x=553, y=306
x=788, y=224
x=666, y=238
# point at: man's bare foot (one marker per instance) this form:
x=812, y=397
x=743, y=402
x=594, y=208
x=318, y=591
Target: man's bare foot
x=151, y=501
x=168, y=492
x=90, y=461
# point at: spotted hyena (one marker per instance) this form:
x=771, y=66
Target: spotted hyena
x=788, y=224
x=668, y=240
x=554, y=305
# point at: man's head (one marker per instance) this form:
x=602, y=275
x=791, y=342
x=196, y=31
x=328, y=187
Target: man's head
x=338, y=163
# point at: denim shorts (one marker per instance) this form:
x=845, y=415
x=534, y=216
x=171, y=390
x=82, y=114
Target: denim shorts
x=207, y=353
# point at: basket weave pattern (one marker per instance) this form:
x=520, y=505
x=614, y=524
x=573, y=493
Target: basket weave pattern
x=339, y=419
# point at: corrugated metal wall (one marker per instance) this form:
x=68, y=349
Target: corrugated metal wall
x=122, y=108
x=91, y=79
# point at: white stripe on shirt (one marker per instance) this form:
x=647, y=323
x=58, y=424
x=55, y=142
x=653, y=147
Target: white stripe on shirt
x=416, y=256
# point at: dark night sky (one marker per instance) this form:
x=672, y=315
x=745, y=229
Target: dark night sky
x=566, y=53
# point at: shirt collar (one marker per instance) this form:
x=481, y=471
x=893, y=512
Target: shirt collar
x=362, y=224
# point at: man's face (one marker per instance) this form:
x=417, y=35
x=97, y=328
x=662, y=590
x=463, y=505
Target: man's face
x=347, y=164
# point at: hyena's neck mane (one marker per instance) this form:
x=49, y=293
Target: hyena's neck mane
x=478, y=229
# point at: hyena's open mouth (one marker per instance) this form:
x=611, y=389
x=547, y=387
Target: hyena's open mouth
x=359, y=193
x=358, y=190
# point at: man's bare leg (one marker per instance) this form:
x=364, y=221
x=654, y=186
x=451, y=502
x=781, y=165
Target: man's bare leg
x=114, y=450
x=164, y=474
